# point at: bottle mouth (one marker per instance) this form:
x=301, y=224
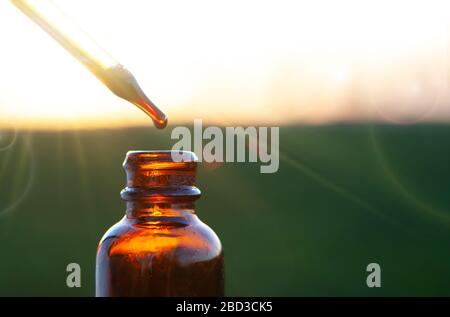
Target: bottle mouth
x=138, y=157
x=157, y=175
x=162, y=155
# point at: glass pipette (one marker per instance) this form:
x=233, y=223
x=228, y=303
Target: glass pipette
x=111, y=73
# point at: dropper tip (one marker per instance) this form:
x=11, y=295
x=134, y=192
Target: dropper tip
x=161, y=123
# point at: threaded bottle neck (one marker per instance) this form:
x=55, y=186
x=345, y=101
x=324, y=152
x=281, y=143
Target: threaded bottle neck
x=154, y=176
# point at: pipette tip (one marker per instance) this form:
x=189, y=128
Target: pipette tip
x=160, y=124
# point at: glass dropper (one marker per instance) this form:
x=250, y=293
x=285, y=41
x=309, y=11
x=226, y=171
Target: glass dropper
x=110, y=72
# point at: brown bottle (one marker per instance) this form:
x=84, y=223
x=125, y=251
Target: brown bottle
x=160, y=247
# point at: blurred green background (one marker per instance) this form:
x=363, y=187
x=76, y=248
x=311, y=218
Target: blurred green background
x=344, y=196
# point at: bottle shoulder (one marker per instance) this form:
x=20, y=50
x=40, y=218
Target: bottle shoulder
x=194, y=239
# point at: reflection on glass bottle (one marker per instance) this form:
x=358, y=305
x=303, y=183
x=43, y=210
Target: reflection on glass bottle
x=160, y=247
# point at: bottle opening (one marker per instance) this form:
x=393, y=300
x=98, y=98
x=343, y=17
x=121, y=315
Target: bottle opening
x=160, y=156
x=159, y=176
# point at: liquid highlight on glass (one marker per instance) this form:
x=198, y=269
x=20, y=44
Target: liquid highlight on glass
x=160, y=247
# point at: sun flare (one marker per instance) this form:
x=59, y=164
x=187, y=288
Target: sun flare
x=234, y=61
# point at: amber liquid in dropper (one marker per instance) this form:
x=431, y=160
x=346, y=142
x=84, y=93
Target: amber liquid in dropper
x=124, y=85
x=116, y=77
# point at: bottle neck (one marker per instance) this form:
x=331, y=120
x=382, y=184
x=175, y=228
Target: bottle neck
x=160, y=212
x=160, y=189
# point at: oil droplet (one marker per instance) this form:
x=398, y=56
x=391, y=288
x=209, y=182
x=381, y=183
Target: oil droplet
x=160, y=124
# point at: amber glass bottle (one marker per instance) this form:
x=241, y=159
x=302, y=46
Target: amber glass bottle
x=160, y=247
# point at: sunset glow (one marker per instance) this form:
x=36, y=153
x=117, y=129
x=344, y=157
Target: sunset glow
x=234, y=61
